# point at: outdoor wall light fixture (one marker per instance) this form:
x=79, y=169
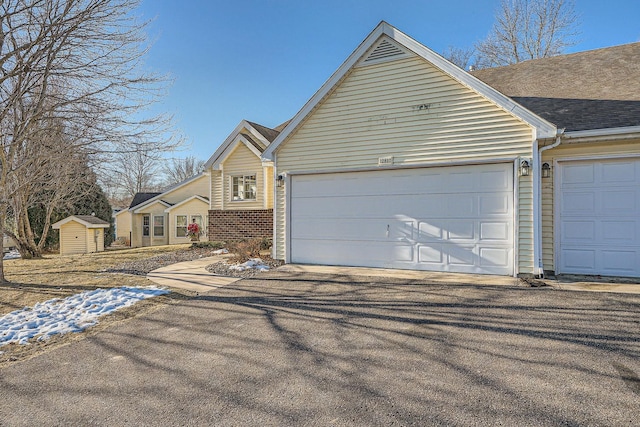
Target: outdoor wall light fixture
x=546, y=170
x=280, y=181
x=525, y=168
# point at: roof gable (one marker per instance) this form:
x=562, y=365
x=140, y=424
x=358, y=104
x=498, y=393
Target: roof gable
x=88, y=221
x=203, y=199
x=158, y=196
x=256, y=137
x=363, y=52
x=145, y=206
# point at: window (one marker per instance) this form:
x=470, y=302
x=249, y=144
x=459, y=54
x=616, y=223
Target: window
x=181, y=226
x=145, y=225
x=158, y=226
x=243, y=187
x=197, y=219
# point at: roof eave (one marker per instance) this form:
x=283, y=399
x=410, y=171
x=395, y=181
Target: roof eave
x=608, y=134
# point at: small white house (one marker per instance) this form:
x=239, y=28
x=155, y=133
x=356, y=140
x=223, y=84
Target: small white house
x=81, y=234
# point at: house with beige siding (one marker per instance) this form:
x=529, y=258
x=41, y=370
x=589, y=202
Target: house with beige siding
x=155, y=219
x=242, y=185
x=403, y=160
x=231, y=200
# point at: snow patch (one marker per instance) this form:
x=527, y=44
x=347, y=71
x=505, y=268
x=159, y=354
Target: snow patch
x=253, y=263
x=220, y=252
x=14, y=254
x=71, y=314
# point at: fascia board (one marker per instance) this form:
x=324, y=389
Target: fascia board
x=228, y=141
x=326, y=88
x=142, y=207
x=169, y=190
x=544, y=129
x=170, y=208
x=230, y=148
x=632, y=131
x=221, y=153
x=73, y=218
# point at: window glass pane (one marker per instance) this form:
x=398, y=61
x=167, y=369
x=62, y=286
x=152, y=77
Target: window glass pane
x=145, y=225
x=243, y=187
x=250, y=187
x=197, y=219
x=181, y=226
x=158, y=226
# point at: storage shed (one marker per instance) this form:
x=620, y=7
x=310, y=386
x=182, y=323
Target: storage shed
x=81, y=234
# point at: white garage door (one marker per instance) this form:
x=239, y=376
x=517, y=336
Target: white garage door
x=599, y=224
x=457, y=219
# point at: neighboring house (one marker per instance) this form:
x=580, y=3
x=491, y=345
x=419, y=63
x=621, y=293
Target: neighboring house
x=81, y=234
x=155, y=219
x=403, y=160
x=242, y=185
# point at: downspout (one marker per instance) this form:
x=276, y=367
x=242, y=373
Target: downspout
x=537, y=205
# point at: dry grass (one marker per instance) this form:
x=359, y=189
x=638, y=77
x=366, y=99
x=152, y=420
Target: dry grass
x=54, y=276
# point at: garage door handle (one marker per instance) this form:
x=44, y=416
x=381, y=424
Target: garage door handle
x=387, y=230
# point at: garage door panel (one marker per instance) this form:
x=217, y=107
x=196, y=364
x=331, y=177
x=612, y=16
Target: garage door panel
x=495, y=257
x=432, y=219
x=599, y=217
x=619, y=172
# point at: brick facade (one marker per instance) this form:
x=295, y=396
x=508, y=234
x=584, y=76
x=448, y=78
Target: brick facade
x=229, y=226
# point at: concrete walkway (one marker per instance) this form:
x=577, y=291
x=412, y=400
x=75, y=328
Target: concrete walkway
x=191, y=275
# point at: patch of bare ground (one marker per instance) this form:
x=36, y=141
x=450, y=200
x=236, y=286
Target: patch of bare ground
x=54, y=276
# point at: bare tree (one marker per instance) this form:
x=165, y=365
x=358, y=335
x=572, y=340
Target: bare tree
x=177, y=170
x=75, y=65
x=138, y=172
x=460, y=56
x=528, y=29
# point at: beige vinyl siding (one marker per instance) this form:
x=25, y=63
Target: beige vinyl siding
x=268, y=176
x=73, y=238
x=136, y=230
x=192, y=207
x=199, y=187
x=216, y=190
x=242, y=161
x=414, y=112
x=572, y=151
x=123, y=224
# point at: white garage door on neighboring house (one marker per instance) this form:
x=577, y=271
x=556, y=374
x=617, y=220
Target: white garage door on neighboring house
x=456, y=219
x=599, y=217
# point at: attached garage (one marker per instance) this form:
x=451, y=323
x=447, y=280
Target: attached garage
x=452, y=219
x=598, y=221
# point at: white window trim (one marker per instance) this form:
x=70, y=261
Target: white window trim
x=243, y=175
x=153, y=225
x=143, y=217
x=185, y=227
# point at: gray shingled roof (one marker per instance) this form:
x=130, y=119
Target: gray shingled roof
x=268, y=133
x=253, y=142
x=595, y=89
x=141, y=198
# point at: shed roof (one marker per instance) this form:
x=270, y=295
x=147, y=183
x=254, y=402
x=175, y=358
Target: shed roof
x=595, y=89
x=88, y=221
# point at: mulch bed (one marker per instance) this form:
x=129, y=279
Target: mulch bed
x=144, y=266
x=223, y=268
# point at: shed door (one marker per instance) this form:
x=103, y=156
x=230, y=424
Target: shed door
x=599, y=217
x=457, y=219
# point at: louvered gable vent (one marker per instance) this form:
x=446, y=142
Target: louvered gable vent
x=384, y=50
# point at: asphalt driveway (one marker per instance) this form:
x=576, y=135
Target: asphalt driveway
x=320, y=350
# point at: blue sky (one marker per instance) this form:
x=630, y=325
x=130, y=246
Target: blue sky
x=262, y=60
